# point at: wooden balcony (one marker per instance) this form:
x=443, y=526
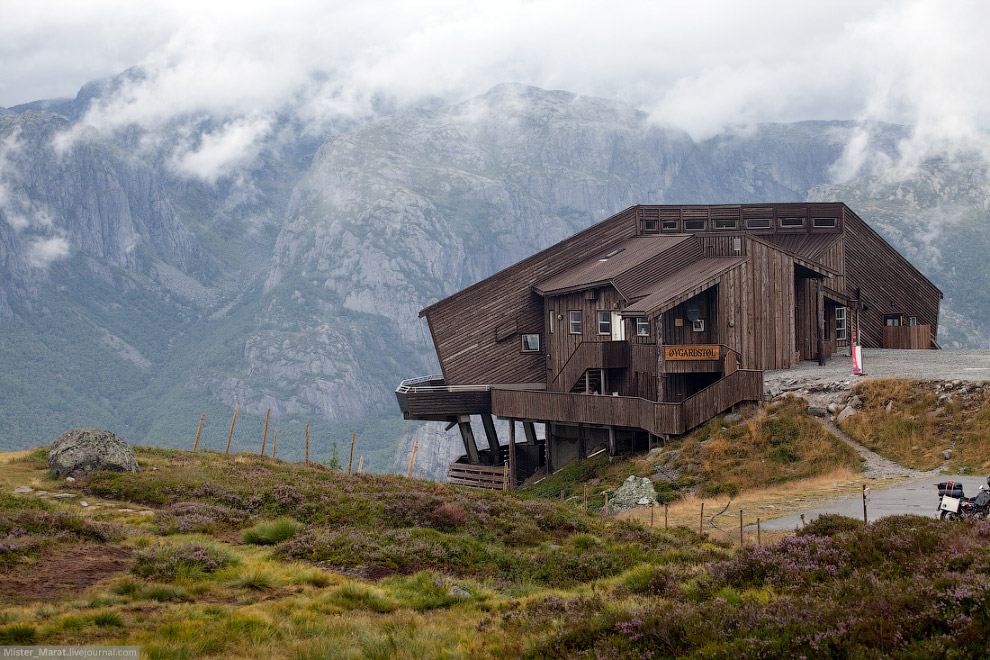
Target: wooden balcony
x=430, y=398
x=631, y=412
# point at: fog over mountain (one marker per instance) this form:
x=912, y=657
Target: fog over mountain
x=154, y=271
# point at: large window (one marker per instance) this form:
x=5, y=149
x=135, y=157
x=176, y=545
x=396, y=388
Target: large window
x=574, y=321
x=642, y=326
x=530, y=343
x=604, y=323
x=840, y=323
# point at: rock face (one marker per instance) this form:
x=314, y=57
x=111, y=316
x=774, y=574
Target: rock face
x=634, y=492
x=78, y=452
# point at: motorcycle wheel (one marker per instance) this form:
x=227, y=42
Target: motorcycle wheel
x=945, y=515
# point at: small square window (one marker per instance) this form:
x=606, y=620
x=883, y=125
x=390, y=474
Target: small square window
x=530, y=343
x=698, y=326
x=642, y=326
x=574, y=321
x=912, y=320
x=650, y=226
x=604, y=323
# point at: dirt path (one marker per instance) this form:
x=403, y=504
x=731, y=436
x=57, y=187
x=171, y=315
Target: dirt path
x=876, y=465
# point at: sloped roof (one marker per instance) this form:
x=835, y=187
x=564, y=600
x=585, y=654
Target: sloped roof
x=809, y=246
x=599, y=270
x=681, y=285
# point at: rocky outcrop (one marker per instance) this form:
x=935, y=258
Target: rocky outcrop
x=634, y=492
x=78, y=452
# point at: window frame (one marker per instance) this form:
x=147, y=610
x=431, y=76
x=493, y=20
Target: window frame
x=551, y=320
x=642, y=322
x=815, y=223
x=607, y=315
x=791, y=219
x=574, y=317
x=539, y=343
x=841, y=330
x=751, y=223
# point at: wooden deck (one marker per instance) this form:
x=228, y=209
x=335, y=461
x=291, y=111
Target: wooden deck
x=429, y=398
x=631, y=412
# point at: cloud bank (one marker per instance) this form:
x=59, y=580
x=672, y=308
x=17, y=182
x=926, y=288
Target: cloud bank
x=700, y=66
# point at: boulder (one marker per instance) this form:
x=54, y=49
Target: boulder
x=634, y=491
x=817, y=411
x=846, y=413
x=78, y=452
x=947, y=454
x=732, y=418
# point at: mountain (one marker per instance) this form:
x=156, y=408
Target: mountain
x=136, y=297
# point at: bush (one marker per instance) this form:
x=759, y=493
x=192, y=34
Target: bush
x=18, y=633
x=270, y=533
x=167, y=562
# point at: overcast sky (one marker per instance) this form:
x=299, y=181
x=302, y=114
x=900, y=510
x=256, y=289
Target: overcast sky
x=699, y=65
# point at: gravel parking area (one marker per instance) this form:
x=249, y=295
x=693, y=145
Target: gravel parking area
x=966, y=365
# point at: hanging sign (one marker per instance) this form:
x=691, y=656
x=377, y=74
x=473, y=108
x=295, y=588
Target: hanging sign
x=692, y=352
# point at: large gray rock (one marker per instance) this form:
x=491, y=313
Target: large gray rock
x=634, y=492
x=78, y=452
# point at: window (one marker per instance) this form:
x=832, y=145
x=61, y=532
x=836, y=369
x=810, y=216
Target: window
x=642, y=326
x=694, y=225
x=792, y=222
x=840, y=323
x=758, y=223
x=530, y=343
x=551, y=314
x=912, y=320
x=698, y=325
x=574, y=321
x=670, y=225
x=725, y=223
x=650, y=226
x=823, y=222
x=604, y=323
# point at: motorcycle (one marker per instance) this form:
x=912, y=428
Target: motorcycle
x=954, y=505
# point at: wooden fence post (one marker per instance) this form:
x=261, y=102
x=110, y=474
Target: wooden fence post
x=505, y=476
x=741, y=543
x=412, y=459
x=360, y=464
x=307, y=445
x=264, y=438
x=237, y=404
x=653, y=510
x=274, y=441
x=198, y=431
x=701, y=520
x=802, y=521
x=759, y=541
x=865, y=519
x=665, y=506
x=350, y=461
x=586, y=498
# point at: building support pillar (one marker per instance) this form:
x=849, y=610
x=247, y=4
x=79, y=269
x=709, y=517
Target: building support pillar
x=611, y=441
x=492, y=436
x=548, y=435
x=820, y=296
x=467, y=435
x=530, y=429
x=582, y=448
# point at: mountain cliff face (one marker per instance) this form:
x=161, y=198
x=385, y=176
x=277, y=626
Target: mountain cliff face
x=296, y=285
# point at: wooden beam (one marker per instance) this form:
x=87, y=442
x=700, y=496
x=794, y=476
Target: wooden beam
x=548, y=433
x=489, y=425
x=611, y=441
x=821, y=322
x=582, y=447
x=530, y=429
x=467, y=435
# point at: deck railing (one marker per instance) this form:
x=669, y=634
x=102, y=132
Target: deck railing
x=478, y=476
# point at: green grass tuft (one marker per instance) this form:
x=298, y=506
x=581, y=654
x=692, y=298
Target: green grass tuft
x=270, y=533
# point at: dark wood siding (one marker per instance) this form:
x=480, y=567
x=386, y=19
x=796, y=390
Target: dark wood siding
x=463, y=325
x=883, y=277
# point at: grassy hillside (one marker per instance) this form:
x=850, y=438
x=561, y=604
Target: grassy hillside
x=206, y=555
x=924, y=420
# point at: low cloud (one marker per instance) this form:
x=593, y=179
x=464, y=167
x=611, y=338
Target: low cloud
x=41, y=252
x=701, y=66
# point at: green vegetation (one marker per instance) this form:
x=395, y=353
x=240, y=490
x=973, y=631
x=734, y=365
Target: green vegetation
x=925, y=419
x=386, y=567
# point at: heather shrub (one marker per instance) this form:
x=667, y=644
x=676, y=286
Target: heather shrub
x=168, y=562
x=272, y=532
x=831, y=524
x=198, y=517
x=27, y=528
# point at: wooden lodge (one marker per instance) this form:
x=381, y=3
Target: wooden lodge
x=654, y=321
